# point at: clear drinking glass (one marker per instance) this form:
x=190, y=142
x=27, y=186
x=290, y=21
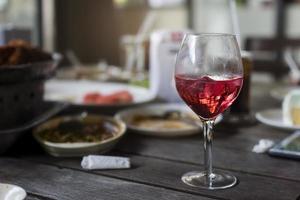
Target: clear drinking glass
x=209, y=76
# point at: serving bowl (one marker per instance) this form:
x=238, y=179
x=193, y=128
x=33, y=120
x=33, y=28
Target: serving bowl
x=72, y=149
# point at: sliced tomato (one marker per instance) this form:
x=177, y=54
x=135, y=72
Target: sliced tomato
x=122, y=96
x=92, y=97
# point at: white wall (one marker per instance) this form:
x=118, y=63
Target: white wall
x=214, y=16
x=293, y=27
x=19, y=13
x=171, y=18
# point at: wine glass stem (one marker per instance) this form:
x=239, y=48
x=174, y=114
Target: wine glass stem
x=207, y=131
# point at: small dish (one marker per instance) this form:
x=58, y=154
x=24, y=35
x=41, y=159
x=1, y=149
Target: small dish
x=11, y=192
x=188, y=124
x=274, y=118
x=65, y=148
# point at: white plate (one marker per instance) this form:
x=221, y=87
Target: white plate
x=160, y=109
x=280, y=92
x=73, y=91
x=274, y=118
x=11, y=192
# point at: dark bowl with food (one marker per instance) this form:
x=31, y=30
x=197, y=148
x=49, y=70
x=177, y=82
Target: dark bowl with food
x=40, y=69
x=79, y=135
x=23, y=72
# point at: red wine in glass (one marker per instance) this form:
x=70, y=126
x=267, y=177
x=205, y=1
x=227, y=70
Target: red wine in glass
x=208, y=96
x=209, y=76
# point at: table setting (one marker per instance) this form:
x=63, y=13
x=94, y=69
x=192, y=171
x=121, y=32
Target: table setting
x=194, y=124
x=92, y=136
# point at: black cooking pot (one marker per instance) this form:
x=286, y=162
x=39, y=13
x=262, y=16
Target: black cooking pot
x=22, y=91
x=21, y=97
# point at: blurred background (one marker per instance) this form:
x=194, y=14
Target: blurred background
x=95, y=31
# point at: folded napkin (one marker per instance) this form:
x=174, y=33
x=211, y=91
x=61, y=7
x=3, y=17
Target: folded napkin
x=105, y=162
x=263, y=146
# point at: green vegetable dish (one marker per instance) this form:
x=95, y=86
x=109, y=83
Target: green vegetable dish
x=79, y=130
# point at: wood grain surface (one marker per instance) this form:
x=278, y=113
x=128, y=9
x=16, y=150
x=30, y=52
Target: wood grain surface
x=158, y=164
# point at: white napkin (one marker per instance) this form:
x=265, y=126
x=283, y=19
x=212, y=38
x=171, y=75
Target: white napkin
x=105, y=162
x=262, y=146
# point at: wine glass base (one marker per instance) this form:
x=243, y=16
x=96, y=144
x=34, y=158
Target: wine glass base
x=217, y=181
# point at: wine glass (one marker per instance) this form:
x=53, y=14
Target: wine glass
x=209, y=76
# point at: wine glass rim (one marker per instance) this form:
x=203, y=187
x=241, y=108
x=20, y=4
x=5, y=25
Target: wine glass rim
x=210, y=34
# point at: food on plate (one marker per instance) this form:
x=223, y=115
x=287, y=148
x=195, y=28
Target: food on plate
x=170, y=120
x=295, y=112
x=291, y=108
x=79, y=130
x=18, y=52
x=118, y=97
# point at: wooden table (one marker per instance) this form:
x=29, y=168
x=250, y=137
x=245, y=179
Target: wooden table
x=157, y=165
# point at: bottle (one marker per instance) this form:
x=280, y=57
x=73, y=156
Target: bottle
x=242, y=104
